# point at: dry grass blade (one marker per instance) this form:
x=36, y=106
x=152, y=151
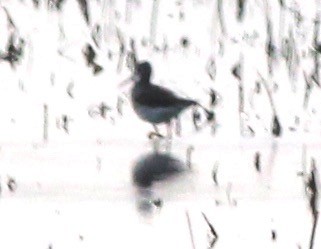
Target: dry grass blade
x=212, y=230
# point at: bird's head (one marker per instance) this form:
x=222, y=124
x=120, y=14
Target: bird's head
x=143, y=71
x=141, y=74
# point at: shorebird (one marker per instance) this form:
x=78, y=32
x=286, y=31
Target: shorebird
x=156, y=104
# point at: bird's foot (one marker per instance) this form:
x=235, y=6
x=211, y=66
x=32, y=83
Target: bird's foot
x=153, y=134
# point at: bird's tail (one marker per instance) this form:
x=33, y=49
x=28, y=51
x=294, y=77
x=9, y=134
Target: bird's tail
x=191, y=102
x=209, y=114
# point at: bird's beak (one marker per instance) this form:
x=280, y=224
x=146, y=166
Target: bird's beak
x=133, y=78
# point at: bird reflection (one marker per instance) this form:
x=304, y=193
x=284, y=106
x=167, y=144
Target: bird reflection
x=157, y=168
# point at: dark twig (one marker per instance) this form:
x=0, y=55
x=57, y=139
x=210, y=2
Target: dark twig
x=14, y=51
x=131, y=58
x=214, y=173
x=212, y=230
x=36, y=3
x=316, y=56
x=241, y=107
x=312, y=188
x=315, y=222
x=290, y=54
x=190, y=229
x=312, y=191
x=211, y=68
x=10, y=20
x=128, y=11
x=281, y=21
x=100, y=110
x=12, y=185
x=304, y=160
x=307, y=93
x=251, y=131
x=228, y=194
x=69, y=90
x=213, y=98
x=153, y=23
x=276, y=127
x=84, y=9
x=96, y=35
x=294, y=57
x=134, y=50
x=97, y=69
x=62, y=54
x=241, y=9
x=122, y=50
x=189, y=152
x=257, y=161
x=65, y=123
x=45, y=123
x=184, y=42
x=59, y=4
x=236, y=71
x=220, y=16
x=90, y=56
x=238, y=74
x=269, y=46
x=273, y=235
x=119, y=107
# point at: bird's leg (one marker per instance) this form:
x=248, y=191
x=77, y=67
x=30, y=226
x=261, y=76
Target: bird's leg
x=169, y=130
x=156, y=145
x=155, y=133
x=168, y=145
x=155, y=128
x=169, y=137
x=178, y=126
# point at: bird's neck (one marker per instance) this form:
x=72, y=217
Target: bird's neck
x=144, y=82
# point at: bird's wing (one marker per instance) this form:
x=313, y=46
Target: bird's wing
x=156, y=96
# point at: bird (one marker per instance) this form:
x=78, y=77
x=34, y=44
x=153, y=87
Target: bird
x=156, y=104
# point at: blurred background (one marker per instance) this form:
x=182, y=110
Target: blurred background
x=70, y=143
